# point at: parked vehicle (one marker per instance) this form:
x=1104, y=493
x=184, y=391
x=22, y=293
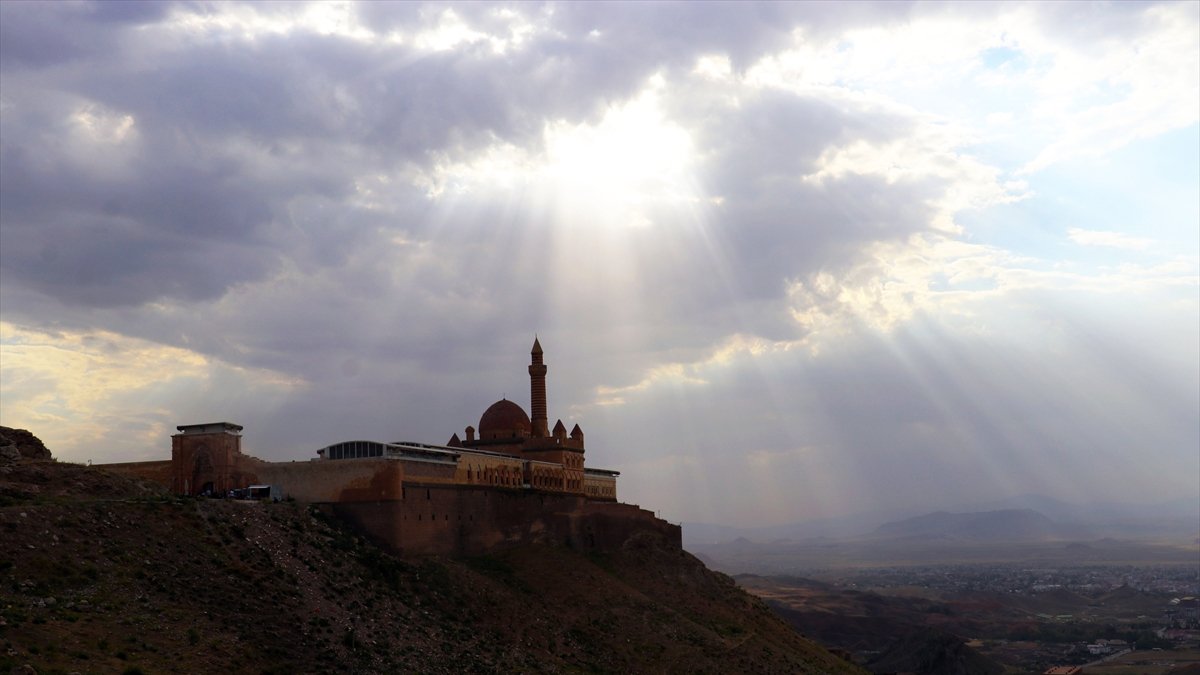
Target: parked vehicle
x=263, y=492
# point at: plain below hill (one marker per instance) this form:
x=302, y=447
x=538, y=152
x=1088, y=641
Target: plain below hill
x=101, y=573
x=889, y=633
x=931, y=652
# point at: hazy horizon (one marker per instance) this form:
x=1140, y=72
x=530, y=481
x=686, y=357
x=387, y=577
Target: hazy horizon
x=787, y=261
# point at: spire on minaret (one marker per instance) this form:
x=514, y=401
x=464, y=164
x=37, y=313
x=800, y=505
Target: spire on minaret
x=537, y=392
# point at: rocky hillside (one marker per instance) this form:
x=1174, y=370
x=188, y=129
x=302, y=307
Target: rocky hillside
x=102, y=574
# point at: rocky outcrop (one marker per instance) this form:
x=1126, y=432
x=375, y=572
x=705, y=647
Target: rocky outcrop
x=18, y=444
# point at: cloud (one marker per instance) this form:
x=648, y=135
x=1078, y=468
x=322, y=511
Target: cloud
x=896, y=417
x=1112, y=239
x=106, y=396
x=1107, y=90
x=733, y=227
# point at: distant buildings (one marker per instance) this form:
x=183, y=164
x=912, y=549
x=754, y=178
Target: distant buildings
x=1102, y=647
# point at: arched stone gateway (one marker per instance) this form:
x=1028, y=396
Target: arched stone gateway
x=204, y=475
x=209, y=457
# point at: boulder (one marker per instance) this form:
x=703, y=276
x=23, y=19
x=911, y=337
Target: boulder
x=21, y=444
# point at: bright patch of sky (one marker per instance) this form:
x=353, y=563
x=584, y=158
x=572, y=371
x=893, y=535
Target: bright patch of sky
x=1142, y=193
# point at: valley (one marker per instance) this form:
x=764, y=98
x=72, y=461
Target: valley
x=996, y=592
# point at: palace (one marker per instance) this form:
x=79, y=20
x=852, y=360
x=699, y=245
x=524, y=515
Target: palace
x=513, y=480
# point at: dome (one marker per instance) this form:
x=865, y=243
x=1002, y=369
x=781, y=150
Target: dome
x=504, y=419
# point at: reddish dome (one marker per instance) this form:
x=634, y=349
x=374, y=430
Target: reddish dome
x=504, y=419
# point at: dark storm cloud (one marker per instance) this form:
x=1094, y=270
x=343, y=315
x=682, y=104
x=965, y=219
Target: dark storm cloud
x=249, y=149
x=202, y=114
x=223, y=126
x=41, y=34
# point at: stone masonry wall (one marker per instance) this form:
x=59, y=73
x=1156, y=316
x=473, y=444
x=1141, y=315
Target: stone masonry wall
x=159, y=471
x=468, y=520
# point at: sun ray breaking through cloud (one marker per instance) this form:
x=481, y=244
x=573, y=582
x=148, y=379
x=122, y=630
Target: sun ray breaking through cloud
x=785, y=262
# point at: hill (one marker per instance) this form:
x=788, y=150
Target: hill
x=101, y=573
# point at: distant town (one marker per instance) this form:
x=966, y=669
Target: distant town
x=1002, y=578
x=1089, y=619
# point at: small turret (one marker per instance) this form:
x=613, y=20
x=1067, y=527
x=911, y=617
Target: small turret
x=470, y=434
x=454, y=442
x=560, y=431
x=577, y=435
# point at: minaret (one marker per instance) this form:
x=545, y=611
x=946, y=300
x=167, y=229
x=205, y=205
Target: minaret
x=537, y=395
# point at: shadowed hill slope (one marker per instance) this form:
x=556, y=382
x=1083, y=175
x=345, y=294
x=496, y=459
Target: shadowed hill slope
x=99, y=573
x=932, y=652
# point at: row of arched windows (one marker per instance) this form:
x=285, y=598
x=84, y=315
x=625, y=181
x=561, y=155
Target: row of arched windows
x=546, y=479
x=354, y=450
x=594, y=490
x=495, y=475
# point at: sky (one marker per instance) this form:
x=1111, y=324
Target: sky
x=787, y=261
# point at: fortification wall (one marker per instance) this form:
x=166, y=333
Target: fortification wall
x=600, y=487
x=479, y=469
x=159, y=471
x=470, y=520
x=328, y=481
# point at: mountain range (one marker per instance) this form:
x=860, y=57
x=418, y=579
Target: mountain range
x=1008, y=524
x=1033, y=516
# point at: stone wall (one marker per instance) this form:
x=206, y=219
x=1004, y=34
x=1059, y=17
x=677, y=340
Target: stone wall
x=159, y=471
x=600, y=487
x=469, y=520
x=367, y=479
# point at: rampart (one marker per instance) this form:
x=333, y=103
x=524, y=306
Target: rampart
x=470, y=520
x=158, y=471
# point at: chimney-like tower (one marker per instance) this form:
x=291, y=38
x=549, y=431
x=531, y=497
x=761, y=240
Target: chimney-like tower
x=537, y=392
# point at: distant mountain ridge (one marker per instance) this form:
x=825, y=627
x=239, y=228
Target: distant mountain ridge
x=1005, y=524
x=1178, y=517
